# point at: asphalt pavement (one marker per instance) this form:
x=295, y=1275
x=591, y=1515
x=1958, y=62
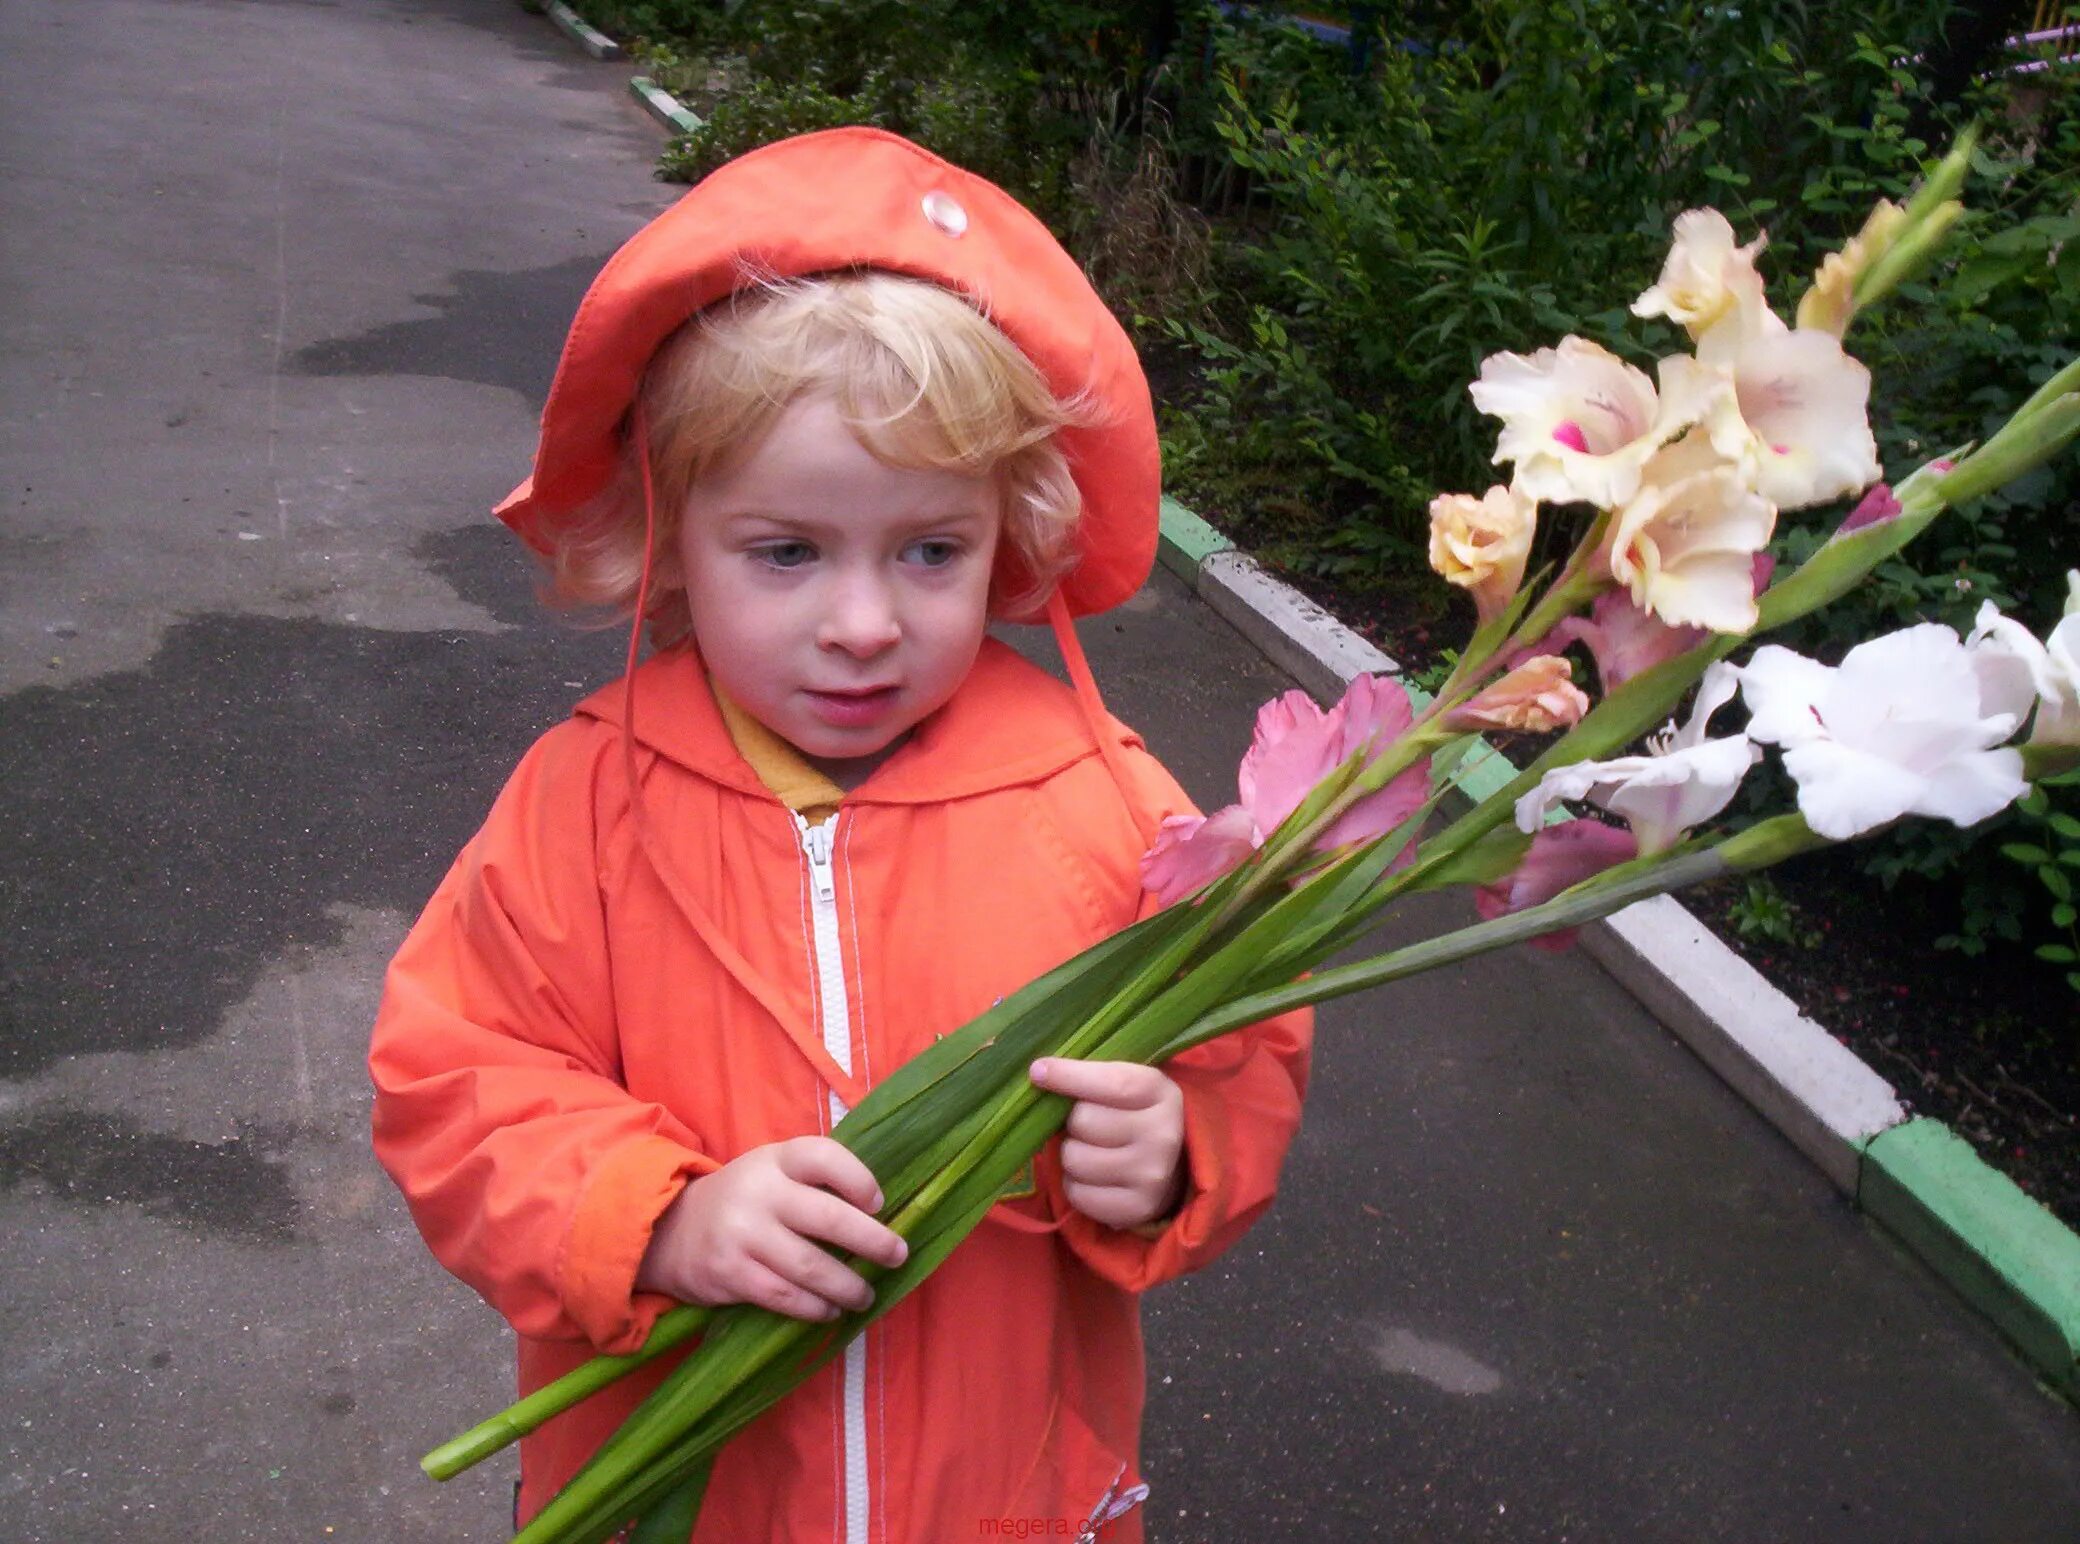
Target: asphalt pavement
x=283, y=283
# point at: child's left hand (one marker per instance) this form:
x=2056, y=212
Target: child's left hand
x=1124, y=1141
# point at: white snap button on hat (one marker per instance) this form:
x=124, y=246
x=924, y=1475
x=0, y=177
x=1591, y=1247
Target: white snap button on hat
x=945, y=212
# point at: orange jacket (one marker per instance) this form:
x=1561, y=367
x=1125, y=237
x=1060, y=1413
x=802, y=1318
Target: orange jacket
x=557, y=1053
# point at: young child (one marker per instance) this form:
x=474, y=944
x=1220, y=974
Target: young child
x=815, y=426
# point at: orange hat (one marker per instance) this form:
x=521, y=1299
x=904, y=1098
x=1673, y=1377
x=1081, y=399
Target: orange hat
x=861, y=198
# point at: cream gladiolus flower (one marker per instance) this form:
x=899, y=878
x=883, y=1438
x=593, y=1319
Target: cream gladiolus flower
x=1831, y=302
x=1580, y=423
x=2051, y=668
x=1684, y=546
x=1803, y=406
x=1684, y=779
x=1481, y=544
x=1907, y=724
x=1706, y=275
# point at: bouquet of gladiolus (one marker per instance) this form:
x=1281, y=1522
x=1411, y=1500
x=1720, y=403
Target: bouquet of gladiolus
x=1684, y=477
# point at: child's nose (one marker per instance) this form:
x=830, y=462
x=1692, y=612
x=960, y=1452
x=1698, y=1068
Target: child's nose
x=862, y=619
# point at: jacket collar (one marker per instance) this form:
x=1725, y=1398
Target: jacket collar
x=1009, y=724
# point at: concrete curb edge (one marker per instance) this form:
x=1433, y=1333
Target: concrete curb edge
x=1969, y=1223
x=663, y=106
x=1999, y=1249
x=580, y=31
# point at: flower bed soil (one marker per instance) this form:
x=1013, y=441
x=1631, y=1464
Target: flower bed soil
x=1990, y=1046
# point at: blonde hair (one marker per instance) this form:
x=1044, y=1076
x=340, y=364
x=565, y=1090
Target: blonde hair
x=920, y=376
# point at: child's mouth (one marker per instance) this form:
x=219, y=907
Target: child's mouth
x=852, y=709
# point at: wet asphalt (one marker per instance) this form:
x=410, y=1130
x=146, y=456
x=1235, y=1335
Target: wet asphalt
x=282, y=284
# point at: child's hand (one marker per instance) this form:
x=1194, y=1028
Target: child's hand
x=1122, y=1146
x=748, y=1232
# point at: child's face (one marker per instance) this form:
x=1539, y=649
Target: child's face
x=836, y=599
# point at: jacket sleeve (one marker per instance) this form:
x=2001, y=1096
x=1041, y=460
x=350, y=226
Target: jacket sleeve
x=532, y=1173
x=1242, y=1101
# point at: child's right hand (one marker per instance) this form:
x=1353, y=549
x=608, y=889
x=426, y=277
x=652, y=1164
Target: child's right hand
x=749, y=1232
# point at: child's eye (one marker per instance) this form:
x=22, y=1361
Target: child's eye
x=932, y=551
x=784, y=554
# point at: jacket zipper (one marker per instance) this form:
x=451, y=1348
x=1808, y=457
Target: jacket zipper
x=819, y=845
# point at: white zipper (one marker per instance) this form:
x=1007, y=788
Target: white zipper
x=819, y=844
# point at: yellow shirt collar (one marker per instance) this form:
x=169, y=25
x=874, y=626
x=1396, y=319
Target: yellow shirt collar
x=779, y=765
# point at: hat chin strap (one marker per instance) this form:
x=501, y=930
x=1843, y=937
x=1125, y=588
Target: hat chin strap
x=1105, y=733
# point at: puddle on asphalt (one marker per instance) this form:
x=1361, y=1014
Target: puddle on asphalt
x=489, y=331
x=238, y=1187
x=173, y=830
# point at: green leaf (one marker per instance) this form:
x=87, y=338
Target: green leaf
x=2057, y=954
x=1482, y=861
x=2056, y=881
x=2025, y=853
x=671, y=1520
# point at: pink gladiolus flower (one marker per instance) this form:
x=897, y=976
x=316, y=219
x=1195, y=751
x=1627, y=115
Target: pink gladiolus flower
x=1295, y=746
x=1538, y=696
x=1875, y=506
x=1193, y=850
x=1560, y=857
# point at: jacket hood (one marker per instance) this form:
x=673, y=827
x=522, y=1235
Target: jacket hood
x=861, y=198
x=1009, y=724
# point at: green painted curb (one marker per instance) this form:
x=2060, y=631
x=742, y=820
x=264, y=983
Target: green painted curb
x=1187, y=541
x=582, y=32
x=662, y=105
x=2007, y=1255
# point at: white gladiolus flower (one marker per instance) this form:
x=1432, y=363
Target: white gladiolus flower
x=1580, y=423
x=1907, y=724
x=1684, y=546
x=1706, y=275
x=1683, y=780
x=1802, y=421
x=2051, y=668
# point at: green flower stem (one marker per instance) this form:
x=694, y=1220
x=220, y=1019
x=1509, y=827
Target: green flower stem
x=1925, y=222
x=2066, y=380
x=1568, y=910
x=1581, y=582
x=1911, y=251
x=769, y=1354
x=937, y=1098
x=1947, y=180
x=2029, y=439
x=749, y=1355
x=673, y=1329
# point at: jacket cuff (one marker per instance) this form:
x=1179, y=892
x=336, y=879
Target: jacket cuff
x=627, y=1192
x=1136, y=1259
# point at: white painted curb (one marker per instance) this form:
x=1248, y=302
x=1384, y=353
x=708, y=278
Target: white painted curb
x=594, y=42
x=1805, y=1082
x=1298, y=636
x=1811, y=1086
